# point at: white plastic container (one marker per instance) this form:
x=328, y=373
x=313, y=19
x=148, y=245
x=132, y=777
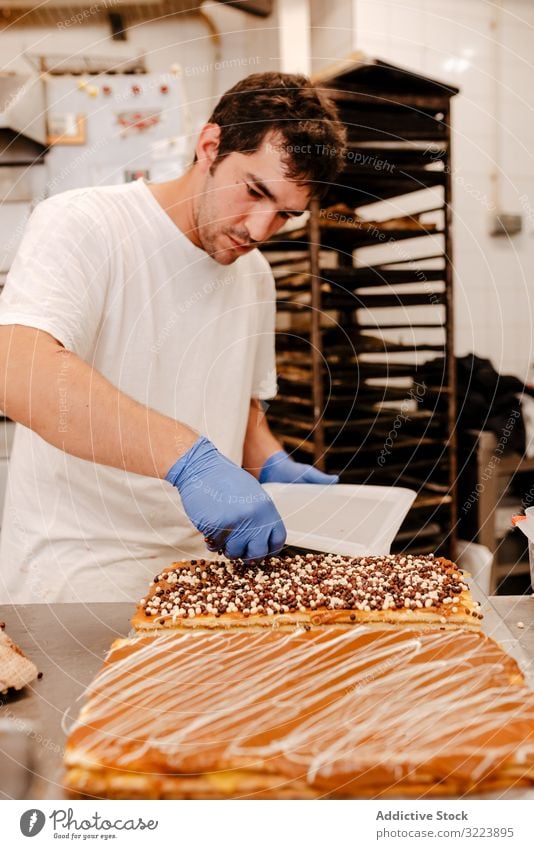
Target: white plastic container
x=477, y=561
x=342, y=519
x=526, y=524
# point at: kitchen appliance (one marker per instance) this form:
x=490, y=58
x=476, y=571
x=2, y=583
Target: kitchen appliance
x=132, y=123
x=22, y=119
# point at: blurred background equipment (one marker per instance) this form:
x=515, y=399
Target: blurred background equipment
x=365, y=298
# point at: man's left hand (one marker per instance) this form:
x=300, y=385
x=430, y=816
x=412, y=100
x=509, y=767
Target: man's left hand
x=280, y=468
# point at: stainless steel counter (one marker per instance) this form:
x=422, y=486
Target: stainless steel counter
x=68, y=642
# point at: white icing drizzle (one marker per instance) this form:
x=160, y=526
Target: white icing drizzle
x=390, y=703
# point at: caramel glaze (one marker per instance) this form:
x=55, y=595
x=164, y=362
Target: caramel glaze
x=349, y=713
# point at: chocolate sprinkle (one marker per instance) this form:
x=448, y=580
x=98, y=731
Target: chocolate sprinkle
x=306, y=583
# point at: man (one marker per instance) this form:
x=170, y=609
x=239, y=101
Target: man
x=136, y=346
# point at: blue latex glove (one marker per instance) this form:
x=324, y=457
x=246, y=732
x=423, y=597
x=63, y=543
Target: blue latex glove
x=280, y=468
x=226, y=504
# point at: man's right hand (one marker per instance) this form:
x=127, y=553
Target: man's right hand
x=226, y=504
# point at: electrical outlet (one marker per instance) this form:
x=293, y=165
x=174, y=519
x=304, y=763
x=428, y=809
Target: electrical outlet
x=505, y=224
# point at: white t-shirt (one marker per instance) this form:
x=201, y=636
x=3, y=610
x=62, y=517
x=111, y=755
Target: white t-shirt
x=108, y=274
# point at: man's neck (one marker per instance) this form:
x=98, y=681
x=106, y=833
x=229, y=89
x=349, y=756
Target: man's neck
x=176, y=199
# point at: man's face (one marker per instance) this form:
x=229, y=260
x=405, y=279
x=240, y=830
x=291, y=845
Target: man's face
x=245, y=201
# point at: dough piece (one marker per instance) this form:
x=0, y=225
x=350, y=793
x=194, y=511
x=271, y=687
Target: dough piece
x=16, y=670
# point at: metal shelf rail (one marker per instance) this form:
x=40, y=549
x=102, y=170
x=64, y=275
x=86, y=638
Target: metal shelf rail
x=365, y=299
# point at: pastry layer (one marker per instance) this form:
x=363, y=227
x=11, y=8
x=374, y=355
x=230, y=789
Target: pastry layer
x=314, y=590
x=110, y=785
x=354, y=713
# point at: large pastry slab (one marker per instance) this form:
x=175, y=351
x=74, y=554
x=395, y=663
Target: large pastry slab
x=312, y=590
x=358, y=713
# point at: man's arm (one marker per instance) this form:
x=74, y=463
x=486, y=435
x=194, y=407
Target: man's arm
x=264, y=457
x=73, y=407
x=260, y=444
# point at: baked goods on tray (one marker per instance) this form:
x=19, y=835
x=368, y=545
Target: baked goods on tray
x=16, y=670
x=343, y=713
x=312, y=590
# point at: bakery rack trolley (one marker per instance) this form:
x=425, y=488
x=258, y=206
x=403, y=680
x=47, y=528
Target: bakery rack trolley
x=365, y=298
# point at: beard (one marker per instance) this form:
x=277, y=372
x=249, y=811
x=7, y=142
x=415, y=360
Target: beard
x=212, y=233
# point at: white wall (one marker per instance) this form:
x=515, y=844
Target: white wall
x=493, y=122
x=332, y=31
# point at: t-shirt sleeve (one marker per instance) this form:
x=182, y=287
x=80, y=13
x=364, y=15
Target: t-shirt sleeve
x=57, y=281
x=264, y=383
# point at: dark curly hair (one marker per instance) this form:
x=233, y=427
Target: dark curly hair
x=310, y=134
